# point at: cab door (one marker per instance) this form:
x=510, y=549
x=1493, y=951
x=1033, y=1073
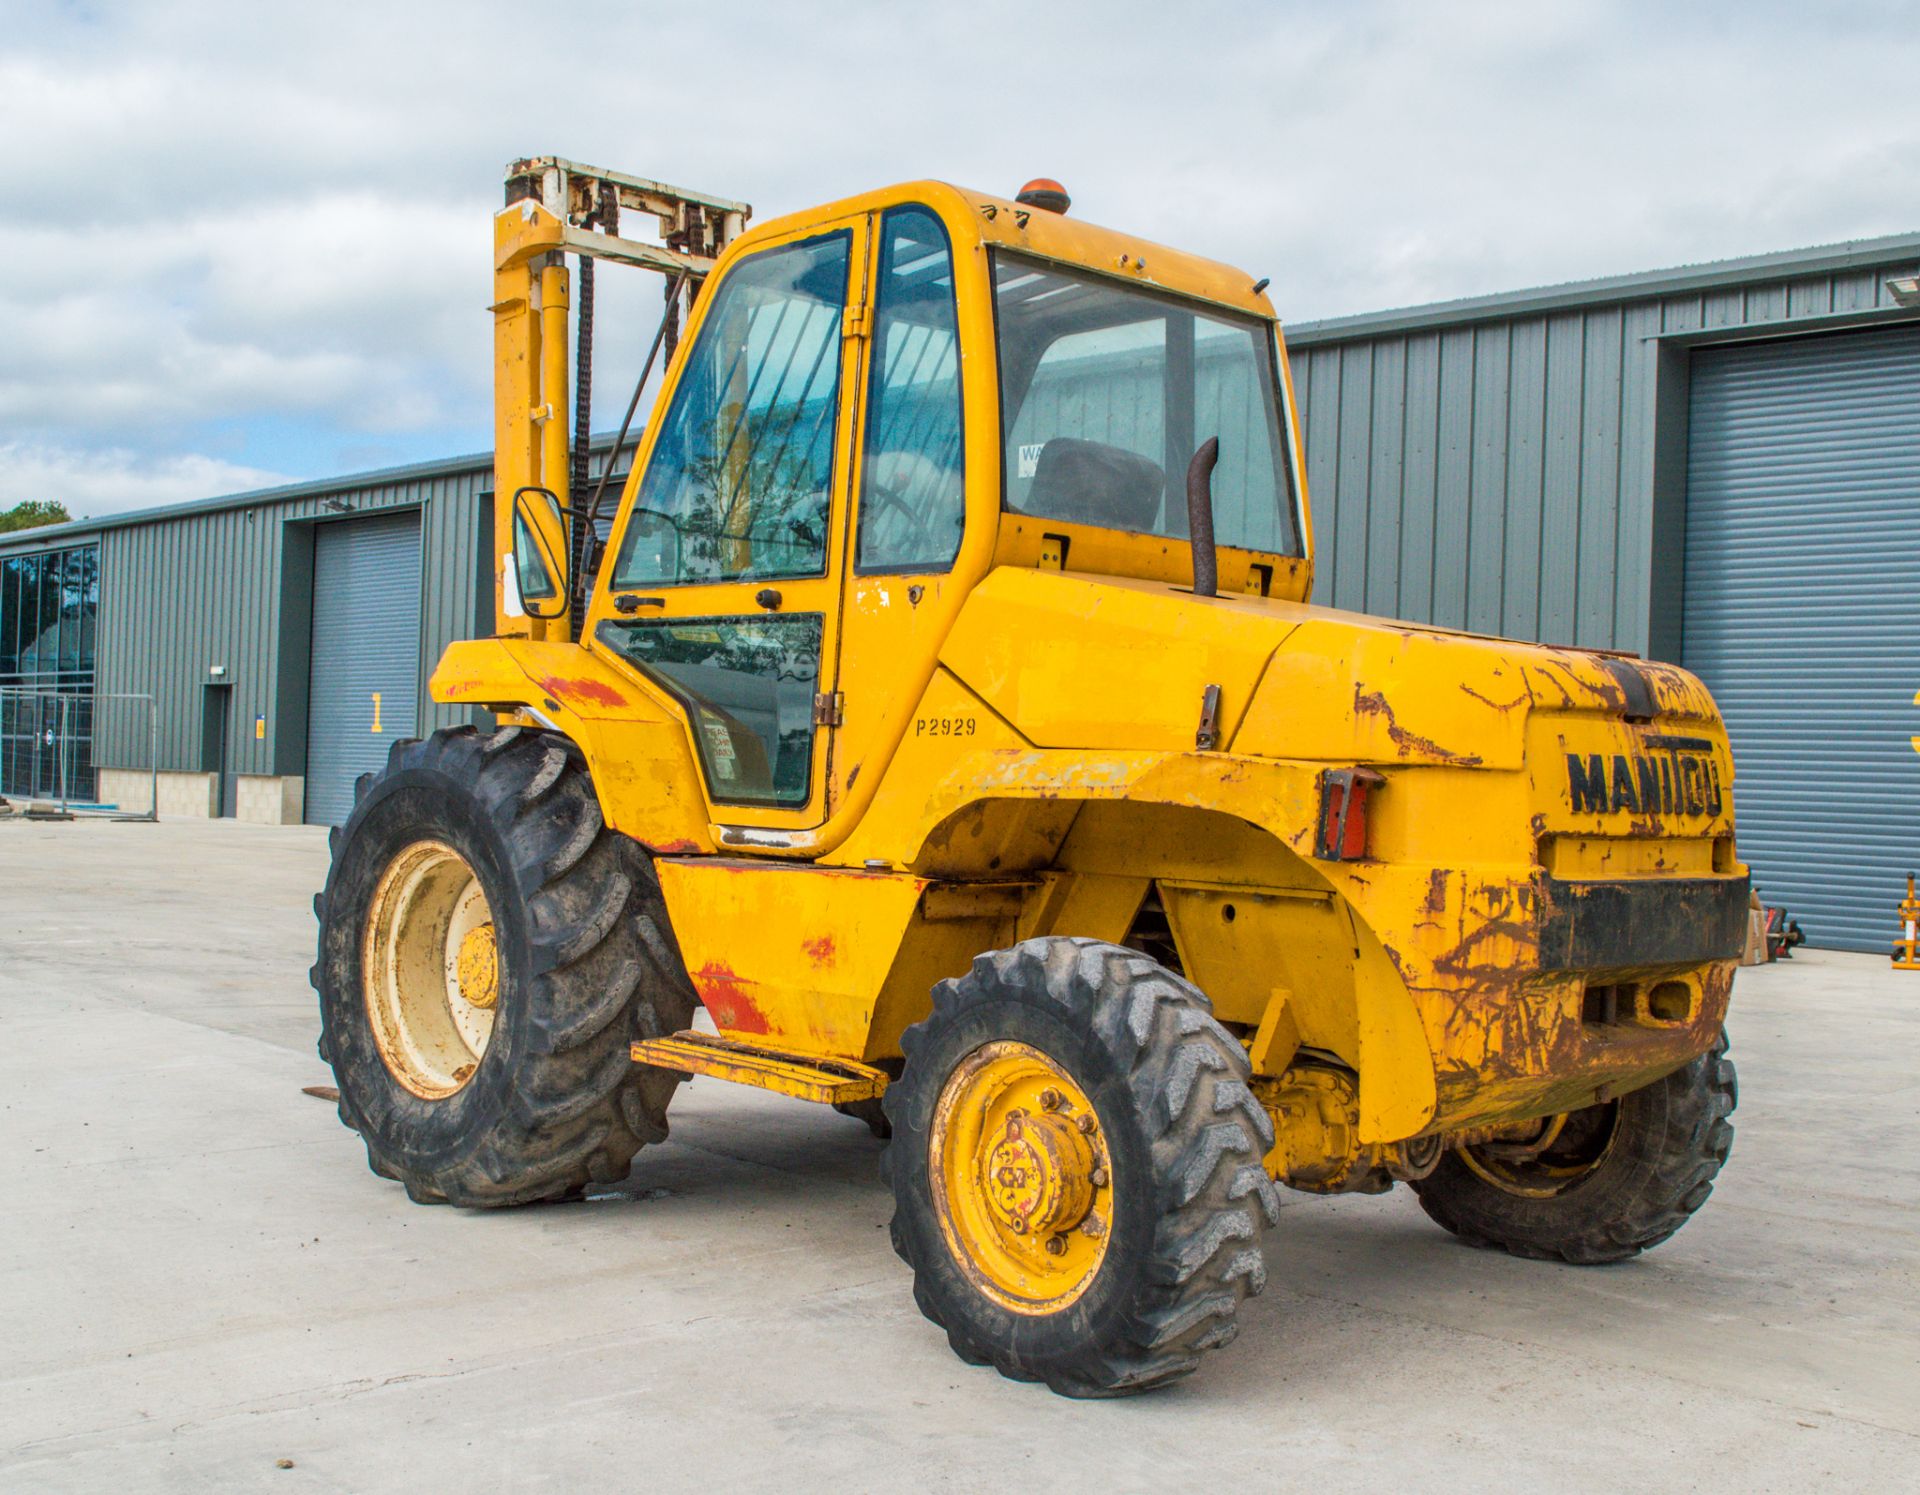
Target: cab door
x=724, y=590
x=911, y=487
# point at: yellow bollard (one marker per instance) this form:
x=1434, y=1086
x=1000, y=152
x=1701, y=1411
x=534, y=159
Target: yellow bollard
x=1906, y=949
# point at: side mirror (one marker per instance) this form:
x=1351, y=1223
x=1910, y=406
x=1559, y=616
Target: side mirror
x=541, y=547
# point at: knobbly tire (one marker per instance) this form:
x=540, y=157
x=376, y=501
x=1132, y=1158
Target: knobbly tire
x=586, y=963
x=1179, y=1131
x=1648, y=1172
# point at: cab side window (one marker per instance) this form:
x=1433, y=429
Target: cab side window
x=741, y=480
x=913, y=490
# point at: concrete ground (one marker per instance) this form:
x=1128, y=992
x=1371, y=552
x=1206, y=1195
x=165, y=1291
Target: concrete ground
x=199, y=1278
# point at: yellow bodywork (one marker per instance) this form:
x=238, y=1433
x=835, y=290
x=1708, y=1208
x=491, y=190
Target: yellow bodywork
x=1014, y=753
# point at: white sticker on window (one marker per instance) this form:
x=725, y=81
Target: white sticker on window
x=720, y=745
x=1030, y=458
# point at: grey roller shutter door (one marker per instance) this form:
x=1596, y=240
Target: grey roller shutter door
x=366, y=642
x=1802, y=614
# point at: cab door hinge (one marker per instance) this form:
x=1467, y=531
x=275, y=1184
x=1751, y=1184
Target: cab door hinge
x=828, y=708
x=856, y=322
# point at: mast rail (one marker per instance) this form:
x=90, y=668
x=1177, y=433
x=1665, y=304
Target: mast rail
x=694, y=226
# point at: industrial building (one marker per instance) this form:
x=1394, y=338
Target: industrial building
x=1717, y=465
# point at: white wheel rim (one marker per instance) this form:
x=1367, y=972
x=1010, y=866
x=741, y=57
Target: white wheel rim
x=430, y=973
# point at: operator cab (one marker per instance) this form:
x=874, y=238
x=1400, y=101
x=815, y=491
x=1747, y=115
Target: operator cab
x=881, y=401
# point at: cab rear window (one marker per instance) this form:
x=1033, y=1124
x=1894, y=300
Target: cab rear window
x=1107, y=391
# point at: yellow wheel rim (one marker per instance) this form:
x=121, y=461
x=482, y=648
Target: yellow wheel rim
x=1567, y=1149
x=1021, y=1178
x=431, y=971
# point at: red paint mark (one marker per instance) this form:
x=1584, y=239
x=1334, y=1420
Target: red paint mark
x=725, y=995
x=821, y=951
x=596, y=691
x=672, y=848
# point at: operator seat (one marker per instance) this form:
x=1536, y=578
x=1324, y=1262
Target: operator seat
x=1089, y=482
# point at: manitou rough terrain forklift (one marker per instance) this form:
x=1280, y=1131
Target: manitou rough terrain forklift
x=937, y=704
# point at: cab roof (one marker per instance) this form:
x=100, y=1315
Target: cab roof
x=987, y=220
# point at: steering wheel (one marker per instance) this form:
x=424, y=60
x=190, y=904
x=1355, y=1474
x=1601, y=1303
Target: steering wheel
x=919, y=533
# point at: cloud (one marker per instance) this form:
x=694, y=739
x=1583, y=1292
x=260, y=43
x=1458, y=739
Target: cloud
x=259, y=234
x=94, y=484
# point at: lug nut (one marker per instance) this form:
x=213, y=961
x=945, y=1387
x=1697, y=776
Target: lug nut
x=1085, y=1122
x=1092, y=1226
x=1050, y=1100
x=1099, y=1178
x=1056, y=1245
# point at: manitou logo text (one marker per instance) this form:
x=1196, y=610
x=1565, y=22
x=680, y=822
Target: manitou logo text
x=1677, y=776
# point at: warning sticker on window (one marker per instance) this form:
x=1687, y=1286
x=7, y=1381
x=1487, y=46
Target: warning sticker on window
x=1030, y=458
x=720, y=747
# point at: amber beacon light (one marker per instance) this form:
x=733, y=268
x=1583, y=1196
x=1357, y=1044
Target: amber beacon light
x=1045, y=194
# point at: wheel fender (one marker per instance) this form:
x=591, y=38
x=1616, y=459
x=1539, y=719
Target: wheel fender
x=633, y=736
x=1398, y=1095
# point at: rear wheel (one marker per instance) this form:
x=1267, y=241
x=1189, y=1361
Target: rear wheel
x=1596, y=1185
x=1076, y=1168
x=488, y=951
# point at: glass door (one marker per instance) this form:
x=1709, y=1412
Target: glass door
x=724, y=586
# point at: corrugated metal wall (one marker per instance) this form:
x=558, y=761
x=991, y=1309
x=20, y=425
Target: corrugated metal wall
x=1496, y=472
x=191, y=591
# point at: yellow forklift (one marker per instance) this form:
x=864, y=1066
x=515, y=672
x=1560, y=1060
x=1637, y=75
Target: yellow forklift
x=937, y=704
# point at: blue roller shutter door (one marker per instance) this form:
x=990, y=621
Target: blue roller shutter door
x=1802, y=614
x=366, y=644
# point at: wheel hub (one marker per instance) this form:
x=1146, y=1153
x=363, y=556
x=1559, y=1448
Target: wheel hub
x=1021, y=1178
x=1039, y=1174
x=476, y=967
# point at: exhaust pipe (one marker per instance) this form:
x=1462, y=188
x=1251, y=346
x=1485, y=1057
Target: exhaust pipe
x=1206, y=560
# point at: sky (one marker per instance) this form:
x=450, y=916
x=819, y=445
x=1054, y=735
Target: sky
x=248, y=243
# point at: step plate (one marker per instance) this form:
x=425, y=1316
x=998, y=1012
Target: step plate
x=803, y=1076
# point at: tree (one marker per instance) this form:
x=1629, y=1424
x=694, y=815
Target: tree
x=31, y=513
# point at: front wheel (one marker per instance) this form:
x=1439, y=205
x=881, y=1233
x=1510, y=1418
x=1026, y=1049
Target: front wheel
x=1600, y=1184
x=1076, y=1168
x=489, y=949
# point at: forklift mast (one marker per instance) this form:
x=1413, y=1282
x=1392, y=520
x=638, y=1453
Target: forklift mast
x=555, y=208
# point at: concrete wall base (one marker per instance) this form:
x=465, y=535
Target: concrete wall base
x=130, y=790
x=262, y=799
x=188, y=796
x=269, y=799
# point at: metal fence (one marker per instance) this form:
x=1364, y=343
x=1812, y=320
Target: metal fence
x=47, y=751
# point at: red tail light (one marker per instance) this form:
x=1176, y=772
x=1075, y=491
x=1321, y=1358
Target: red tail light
x=1346, y=795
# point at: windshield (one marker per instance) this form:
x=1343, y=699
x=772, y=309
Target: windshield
x=740, y=478
x=1107, y=391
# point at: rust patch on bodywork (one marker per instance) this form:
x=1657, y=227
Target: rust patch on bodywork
x=1503, y=707
x=725, y=996
x=820, y=951
x=574, y=689
x=1374, y=703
